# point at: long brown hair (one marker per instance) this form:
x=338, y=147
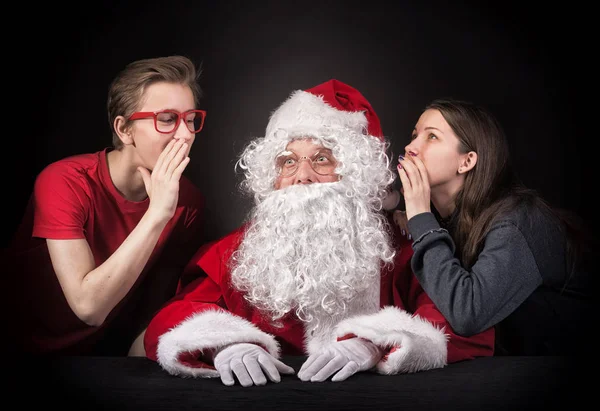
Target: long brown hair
x=491, y=188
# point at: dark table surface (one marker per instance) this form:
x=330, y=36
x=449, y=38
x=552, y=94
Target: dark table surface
x=122, y=383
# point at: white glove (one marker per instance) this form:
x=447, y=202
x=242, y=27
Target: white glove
x=348, y=356
x=250, y=363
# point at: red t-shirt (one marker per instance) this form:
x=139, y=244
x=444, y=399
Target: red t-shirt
x=75, y=198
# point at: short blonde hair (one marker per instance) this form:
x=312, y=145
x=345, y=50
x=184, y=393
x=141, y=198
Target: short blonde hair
x=127, y=89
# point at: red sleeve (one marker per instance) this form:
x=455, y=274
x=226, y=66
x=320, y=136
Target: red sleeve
x=200, y=289
x=61, y=204
x=415, y=300
x=459, y=348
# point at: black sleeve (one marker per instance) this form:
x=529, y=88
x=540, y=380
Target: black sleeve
x=503, y=276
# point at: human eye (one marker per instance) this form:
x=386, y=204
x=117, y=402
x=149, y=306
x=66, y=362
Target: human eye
x=413, y=136
x=323, y=158
x=167, y=118
x=190, y=118
x=432, y=136
x=286, y=161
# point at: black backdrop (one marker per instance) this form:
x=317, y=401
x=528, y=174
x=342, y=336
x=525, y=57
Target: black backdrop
x=524, y=62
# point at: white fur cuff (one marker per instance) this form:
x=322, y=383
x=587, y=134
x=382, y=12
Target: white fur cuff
x=414, y=344
x=208, y=330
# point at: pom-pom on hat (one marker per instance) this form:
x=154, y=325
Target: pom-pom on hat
x=330, y=104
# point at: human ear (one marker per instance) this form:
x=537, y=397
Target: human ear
x=468, y=162
x=123, y=130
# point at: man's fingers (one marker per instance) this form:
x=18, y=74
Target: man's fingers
x=314, y=366
x=349, y=369
x=178, y=156
x=270, y=367
x=180, y=168
x=307, y=364
x=167, y=157
x=240, y=371
x=161, y=158
x=226, y=374
x=254, y=370
x=249, y=364
x=329, y=369
x=283, y=368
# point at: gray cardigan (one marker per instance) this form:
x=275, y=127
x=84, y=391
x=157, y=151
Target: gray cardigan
x=518, y=283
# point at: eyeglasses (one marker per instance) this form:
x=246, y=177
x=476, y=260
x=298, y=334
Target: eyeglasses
x=322, y=162
x=167, y=121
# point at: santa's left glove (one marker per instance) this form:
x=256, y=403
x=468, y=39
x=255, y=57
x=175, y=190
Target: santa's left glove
x=251, y=364
x=345, y=358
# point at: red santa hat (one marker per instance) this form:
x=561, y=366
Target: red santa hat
x=330, y=104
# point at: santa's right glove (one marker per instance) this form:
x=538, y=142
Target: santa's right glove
x=250, y=363
x=345, y=358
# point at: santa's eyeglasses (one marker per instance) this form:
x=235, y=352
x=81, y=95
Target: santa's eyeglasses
x=322, y=162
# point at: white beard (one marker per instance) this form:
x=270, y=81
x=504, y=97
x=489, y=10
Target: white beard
x=311, y=249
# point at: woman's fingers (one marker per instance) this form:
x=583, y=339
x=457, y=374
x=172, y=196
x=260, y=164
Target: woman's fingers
x=406, y=185
x=415, y=182
x=416, y=172
x=408, y=174
x=401, y=221
x=424, y=176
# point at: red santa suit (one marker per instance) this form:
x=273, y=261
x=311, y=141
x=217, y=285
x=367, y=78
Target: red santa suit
x=209, y=314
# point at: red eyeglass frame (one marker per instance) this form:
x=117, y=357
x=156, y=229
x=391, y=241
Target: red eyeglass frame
x=147, y=114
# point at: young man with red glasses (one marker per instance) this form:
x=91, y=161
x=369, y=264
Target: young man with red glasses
x=105, y=234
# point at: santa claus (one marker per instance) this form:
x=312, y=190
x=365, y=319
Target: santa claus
x=316, y=270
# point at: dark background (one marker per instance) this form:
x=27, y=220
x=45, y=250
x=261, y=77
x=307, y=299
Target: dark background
x=527, y=63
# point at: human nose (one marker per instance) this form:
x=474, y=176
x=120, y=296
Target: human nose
x=182, y=132
x=305, y=173
x=412, y=147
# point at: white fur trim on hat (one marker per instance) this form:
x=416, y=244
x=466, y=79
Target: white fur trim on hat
x=208, y=330
x=304, y=113
x=415, y=343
